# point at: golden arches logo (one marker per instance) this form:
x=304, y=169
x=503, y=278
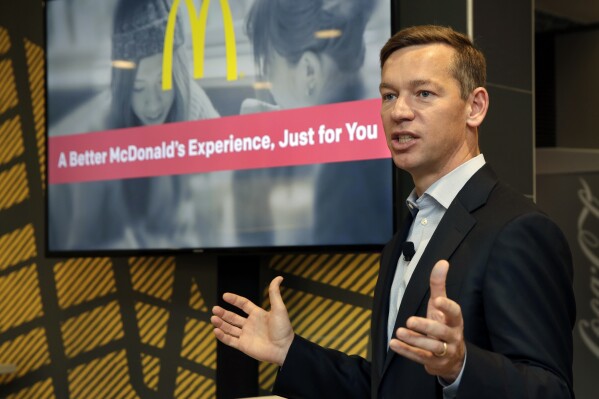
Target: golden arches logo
x=198, y=40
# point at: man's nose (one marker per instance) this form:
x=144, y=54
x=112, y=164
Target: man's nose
x=402, y=109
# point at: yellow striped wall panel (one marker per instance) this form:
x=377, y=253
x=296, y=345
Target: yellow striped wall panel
x=28, y=352
x=196, y=301
x=14, y=188
x=348, y=332
x=8, y=89
x=92, y=329
x=353, y=272
x=80, y=280
x=151, y=369
x=106, y=377
x=21, y=301
x=199, y=344
x=41, y=390
x=152, y=323
x=192, y=385
x=17, y=246
x=35, y=69
x=11, y=140
x=267, y=373
x=153, y=276
x=328, y=322
x=4, y=41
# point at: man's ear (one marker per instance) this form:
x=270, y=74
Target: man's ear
x=478, y=102
x=309, y=69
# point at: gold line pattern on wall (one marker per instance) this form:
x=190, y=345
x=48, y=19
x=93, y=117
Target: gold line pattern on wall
x=21, y=300
x=80, y=280
x=92, y=329
x=106, y=377
x=35, y=67
x=28, y=352
x=199, y=344
x=40, y=390
x=192, y=385
x=327, y=322
x=152, y=322
x=196, y=301
x=14, y=188
x=4, y=41
x=353, y=272
x=11, y=140
x=17, y=246
x=151, y=370
x=267, y=373
x=8, y=88
x=153, y=276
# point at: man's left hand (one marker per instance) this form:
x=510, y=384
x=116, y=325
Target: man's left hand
x=437, y=341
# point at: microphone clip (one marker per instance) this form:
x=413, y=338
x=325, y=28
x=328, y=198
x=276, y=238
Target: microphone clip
x=408, y=250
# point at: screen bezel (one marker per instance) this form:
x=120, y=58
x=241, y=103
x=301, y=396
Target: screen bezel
x=397, y=182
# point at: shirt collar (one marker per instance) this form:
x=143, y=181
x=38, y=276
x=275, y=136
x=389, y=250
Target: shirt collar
x=447, y=187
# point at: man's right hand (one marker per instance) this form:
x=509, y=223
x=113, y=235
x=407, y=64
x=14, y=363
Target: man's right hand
x=265, y=336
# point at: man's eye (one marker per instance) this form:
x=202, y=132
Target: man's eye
x=425, y=93
x=388, y=96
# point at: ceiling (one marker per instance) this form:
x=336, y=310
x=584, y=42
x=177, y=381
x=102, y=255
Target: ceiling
x=582, y=12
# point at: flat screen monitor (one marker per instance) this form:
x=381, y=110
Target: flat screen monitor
x=188, y=125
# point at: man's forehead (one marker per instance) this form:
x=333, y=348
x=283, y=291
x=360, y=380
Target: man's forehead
x=424, y=52
x=422, y=62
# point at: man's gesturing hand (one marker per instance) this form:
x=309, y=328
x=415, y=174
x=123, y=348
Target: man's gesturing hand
x=265, y=336
x=436, y=341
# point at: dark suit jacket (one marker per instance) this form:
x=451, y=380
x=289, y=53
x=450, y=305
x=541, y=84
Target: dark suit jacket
x=510, y=271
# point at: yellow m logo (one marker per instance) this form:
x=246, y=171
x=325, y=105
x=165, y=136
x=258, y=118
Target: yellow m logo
x=198, y=40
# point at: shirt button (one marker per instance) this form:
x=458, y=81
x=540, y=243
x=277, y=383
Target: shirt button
x=424, y=222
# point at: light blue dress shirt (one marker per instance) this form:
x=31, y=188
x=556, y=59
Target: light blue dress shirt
x=428, y=210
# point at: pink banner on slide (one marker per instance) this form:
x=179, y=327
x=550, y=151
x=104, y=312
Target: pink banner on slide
x=340, y=132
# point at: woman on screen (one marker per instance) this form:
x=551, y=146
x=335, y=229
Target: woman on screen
x=157, y=208
x=308, y=53
x=137, y=55
x=141, y=213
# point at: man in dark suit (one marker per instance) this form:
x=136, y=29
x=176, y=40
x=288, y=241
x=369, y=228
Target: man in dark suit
x=497, y=323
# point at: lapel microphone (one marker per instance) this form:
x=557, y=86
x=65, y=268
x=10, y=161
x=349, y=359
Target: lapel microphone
x=407, y=249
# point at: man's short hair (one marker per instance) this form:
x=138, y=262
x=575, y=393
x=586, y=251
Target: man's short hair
x=469, y=67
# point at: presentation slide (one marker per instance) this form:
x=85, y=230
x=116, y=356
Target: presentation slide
x=198, y=125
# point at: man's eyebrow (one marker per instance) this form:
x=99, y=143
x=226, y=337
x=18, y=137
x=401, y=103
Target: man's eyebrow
x=384, y=85
x=421, y=82
x=413, y=84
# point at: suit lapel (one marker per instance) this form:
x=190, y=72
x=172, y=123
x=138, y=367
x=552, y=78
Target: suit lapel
x=381, y=306
x=452, y=230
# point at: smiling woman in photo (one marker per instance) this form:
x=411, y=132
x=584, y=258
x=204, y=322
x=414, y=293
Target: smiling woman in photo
x=151, y=212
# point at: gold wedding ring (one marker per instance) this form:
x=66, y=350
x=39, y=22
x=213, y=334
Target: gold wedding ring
x=444, y=351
